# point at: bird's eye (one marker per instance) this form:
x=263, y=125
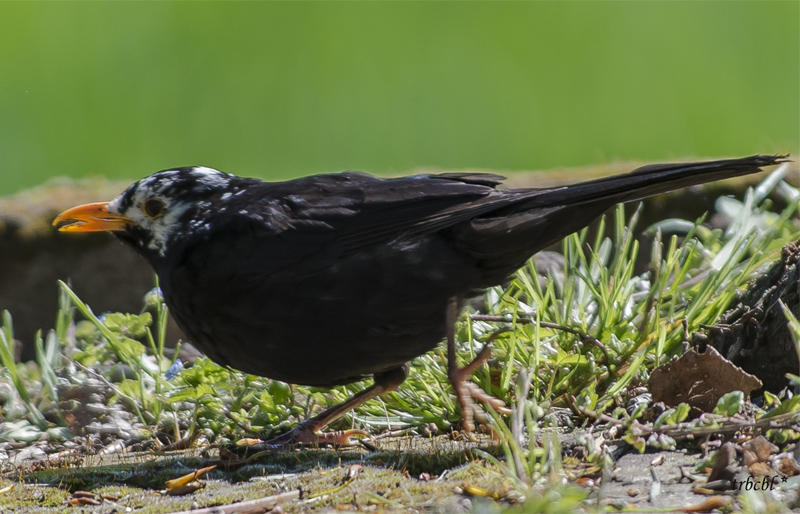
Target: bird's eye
x=153, y=207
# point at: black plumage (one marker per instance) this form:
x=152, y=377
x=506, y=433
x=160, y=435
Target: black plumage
x=327, y=279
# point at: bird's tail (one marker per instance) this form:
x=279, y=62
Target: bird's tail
x=503, y=239
x=652, y=180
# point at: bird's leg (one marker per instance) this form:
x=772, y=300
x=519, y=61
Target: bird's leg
x=307, y=431
x=464, y=389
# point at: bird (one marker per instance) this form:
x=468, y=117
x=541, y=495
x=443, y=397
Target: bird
x=329, y=279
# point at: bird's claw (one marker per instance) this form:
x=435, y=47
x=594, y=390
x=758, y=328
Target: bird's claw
x=476, y=392
x=466, y=391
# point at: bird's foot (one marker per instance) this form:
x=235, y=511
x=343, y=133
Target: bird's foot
x=466, y=391
x=305, y=435
x=308, y=432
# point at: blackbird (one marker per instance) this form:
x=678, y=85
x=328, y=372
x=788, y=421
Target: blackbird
x=327, y=279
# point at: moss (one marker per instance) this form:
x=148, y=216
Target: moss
x=388, y=477
x=35, y=496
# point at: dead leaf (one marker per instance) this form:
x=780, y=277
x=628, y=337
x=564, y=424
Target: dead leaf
x=186, y=479
x=189, y=488
x=761, y=447
x=713, y=503
x=82, y=500
x=699, y=380
x=248, y=442
x=760, y=469
x=787, y=465
x=474, y=490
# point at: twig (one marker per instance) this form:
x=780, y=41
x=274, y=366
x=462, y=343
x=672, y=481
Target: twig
x=586, y=338
x=683, y=430
x=267, y=503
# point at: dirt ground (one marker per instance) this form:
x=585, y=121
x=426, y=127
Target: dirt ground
x=407, y=473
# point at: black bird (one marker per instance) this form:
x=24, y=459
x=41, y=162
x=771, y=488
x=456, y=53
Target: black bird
x=326, y=279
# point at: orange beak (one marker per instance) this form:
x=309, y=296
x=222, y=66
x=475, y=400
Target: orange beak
x=92, y=217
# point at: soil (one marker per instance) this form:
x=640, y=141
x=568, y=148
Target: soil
x=434, y=474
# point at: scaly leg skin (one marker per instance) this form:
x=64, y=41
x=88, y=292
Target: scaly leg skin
x=464, y=389
x=306, y=433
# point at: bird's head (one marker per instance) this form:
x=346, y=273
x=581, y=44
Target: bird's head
x=155, y=211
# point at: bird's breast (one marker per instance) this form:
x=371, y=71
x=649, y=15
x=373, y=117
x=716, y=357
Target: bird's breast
x=364, y=314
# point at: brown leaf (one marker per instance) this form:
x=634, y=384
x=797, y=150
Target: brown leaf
x=761, y=447
x=186, y=479
x=713, y=503
x=82, y=500
x=185, y=489
x=760, y=469
x=699, y=379
x=787, y=465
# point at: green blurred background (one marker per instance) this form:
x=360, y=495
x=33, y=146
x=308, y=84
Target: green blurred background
x=282, y=89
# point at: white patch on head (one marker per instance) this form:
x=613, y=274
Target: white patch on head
x=161, y=185
x=164, y=176
x=210, y=176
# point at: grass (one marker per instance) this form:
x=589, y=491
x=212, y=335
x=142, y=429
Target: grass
x=580, y=339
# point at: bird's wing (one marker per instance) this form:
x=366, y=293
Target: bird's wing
x=306, y=225
x=380, y=210
x=324, y=218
